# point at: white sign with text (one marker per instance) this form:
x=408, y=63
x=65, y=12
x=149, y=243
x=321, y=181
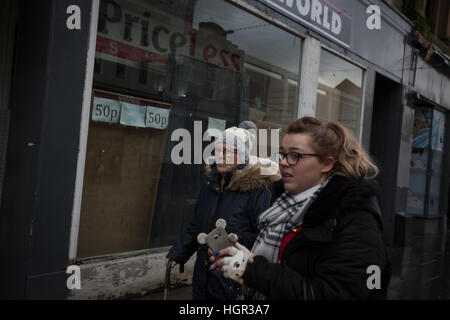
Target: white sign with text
x=157, y=118
x=106, y=110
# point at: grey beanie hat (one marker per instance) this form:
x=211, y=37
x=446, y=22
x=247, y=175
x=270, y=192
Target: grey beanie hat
x=248, y=125
x=242, y=138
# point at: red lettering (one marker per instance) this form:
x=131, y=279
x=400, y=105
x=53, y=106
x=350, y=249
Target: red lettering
x=222, y=57
x=192, y=43
x=235, y=59
x=209, y=52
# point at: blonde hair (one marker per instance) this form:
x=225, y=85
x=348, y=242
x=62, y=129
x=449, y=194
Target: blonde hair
x=333, y=139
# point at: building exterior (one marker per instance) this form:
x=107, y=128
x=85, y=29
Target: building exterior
x=93, y=92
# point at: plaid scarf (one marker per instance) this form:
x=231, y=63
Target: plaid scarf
x=286, y=213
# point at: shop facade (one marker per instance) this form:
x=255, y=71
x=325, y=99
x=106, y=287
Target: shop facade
x=104, y=124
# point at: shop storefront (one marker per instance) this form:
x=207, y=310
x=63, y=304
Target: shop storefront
x=152, y=67
x=427, y=201
x=161, y=66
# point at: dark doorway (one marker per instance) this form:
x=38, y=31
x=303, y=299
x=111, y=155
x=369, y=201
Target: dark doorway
x=8, y=11
x=385, y=145
x=448, y=209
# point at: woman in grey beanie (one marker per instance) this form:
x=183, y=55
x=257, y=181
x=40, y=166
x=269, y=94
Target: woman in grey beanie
x=235, y=191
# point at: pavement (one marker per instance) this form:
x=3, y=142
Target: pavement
x=420, y=271
x=181, y=293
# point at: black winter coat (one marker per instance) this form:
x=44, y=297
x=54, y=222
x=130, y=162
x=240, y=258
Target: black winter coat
x=240, y=201
x=340, y=238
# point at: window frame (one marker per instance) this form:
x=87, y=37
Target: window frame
x=84, y=127
x=364, y=84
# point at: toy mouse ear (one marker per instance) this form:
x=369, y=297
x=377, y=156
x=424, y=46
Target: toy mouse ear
x=233, y=237
x=201, y=238
x=221, y=223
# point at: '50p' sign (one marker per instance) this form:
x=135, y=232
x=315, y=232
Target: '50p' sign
x=106, y=110
x=129, y=114
x=157, y=118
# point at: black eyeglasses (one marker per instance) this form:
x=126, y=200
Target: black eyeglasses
x=292, y=158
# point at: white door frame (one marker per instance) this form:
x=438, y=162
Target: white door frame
x=84, y=127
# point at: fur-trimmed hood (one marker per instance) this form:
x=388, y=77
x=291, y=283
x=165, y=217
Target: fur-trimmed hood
x=256, y=174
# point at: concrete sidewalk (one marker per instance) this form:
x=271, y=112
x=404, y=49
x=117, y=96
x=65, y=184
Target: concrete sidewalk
x=182, y=293
x=421, y=269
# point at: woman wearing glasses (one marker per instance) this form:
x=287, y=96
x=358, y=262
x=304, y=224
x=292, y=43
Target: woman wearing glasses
x=235, y=191
x=322, y=238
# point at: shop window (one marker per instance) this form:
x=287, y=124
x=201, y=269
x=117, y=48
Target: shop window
x=339, y=92
x=426, y=163
x=191, y=60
